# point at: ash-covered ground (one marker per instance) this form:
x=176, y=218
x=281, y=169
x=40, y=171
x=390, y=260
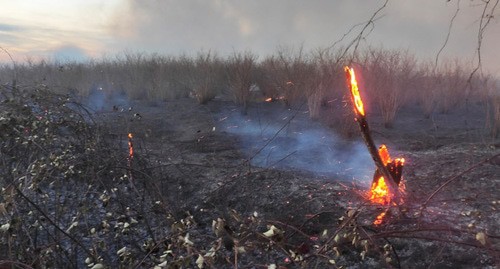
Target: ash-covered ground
x=210, y=187
x=302, y=174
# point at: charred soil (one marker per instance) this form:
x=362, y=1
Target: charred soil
x=192, y=196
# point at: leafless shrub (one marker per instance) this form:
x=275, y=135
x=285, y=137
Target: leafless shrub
x=313, y=89
x=453, y=86
x=154, y=77
x=178, y=72
x=265, y=78
x=388, y=76
x=241, y=72
x=491, y=97
x=428, y=80
x=207, y=77
x=495, y=116
x=289, y=74
x=327, y=83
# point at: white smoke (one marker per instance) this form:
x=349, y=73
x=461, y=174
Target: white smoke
x=289, y=140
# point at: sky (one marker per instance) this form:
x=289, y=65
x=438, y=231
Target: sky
x=79, y=29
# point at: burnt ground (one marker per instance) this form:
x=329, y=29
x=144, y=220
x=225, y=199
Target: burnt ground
x=326, y=217
x=206, y=187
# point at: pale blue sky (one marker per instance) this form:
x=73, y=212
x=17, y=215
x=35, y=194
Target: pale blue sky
x=81, y=28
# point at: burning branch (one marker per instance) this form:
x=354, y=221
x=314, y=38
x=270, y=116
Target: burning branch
x=382, y=166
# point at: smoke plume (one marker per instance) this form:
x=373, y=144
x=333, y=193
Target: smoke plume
x=273, y=137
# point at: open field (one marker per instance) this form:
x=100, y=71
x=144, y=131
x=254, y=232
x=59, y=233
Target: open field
x=220, y=178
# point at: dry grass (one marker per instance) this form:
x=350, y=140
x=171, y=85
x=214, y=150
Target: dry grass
x=390, y=79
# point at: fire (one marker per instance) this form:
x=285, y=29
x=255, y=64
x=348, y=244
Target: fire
x=379, y=192
x=130, y=154
x=384, y=154
x=270, y=99
x=353, y=85
x=130, y=146
x=379, y=218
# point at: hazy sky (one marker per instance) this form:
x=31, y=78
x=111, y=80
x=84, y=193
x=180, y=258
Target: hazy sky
x=75, y=29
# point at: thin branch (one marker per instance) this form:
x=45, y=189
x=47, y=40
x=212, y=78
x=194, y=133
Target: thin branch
x=485, y=20
x=448, y=35
x=356, y=41
x=14, y=81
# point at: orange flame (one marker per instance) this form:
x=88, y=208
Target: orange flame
x=384, y=154
x=353, y=85
x=379, y=219
x=379, y=193
x=270, y=99
x=130, y=146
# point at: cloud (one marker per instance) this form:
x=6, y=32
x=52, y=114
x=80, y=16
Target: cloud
x=10, y=28
x=189, y=26
x=69, y=53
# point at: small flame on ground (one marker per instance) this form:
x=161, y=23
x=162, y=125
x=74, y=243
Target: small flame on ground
x=353, y=84
x=270, y=99
x=379, y=219
x=130, y=146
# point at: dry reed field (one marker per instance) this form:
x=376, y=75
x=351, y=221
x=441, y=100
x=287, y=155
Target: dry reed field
x=241, y=161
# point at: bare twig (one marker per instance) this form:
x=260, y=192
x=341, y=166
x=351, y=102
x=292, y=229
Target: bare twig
x=13, y=63
x=448, y=34
x=357, y=40
x=484, y=21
